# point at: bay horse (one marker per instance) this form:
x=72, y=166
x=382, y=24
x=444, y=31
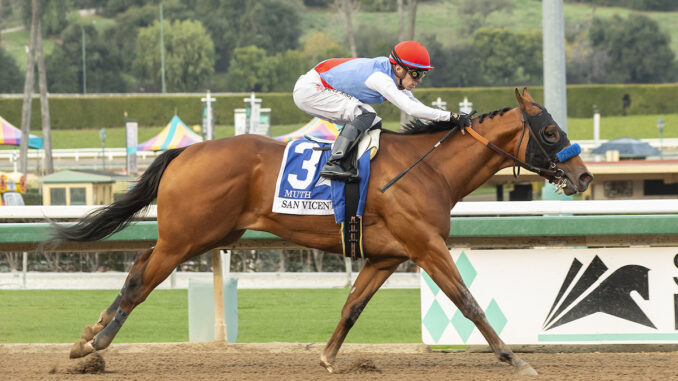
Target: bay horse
x=237, y=176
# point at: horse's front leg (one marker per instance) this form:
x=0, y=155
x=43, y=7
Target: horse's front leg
x=370, y=278
x=438, y=264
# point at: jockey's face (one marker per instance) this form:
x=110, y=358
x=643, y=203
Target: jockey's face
x=405, y=78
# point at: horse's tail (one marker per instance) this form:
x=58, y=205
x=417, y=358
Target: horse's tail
x=103, y=222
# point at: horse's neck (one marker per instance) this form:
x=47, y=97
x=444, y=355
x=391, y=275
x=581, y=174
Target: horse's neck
x=472, y=162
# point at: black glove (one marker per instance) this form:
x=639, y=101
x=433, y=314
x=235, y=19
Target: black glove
x=460, y=120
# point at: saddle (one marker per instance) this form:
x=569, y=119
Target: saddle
x=300, y=191
x=369, y=141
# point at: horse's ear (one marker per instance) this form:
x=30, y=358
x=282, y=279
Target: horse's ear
x=521, y=100
x=526, y=102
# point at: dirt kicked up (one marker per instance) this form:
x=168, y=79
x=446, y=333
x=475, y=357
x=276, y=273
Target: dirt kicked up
x=276, y=361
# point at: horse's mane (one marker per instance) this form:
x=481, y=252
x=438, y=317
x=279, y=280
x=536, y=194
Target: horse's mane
x=418, y=126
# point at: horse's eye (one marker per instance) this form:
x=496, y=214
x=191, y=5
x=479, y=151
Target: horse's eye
x=550, y=134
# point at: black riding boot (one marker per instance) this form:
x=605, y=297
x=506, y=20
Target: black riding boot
x=340, y=166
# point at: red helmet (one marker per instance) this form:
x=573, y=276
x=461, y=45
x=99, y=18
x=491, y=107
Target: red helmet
x=411, y=54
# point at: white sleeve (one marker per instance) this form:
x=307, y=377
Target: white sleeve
x=403, y=99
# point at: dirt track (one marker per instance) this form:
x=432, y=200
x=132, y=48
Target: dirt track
x=300, y=362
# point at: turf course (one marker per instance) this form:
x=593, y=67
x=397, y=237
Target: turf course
x=289, y=315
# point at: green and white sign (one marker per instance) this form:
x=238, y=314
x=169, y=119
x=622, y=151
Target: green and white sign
x=560, y=296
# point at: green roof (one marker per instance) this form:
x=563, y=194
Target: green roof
x=75, y=177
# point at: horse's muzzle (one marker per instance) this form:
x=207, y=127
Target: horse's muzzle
x=577, y=182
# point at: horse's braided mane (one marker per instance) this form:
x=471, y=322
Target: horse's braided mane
x=418, y=126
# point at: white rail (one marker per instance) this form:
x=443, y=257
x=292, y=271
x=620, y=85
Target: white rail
x=77, y=154
x=488, y=208
x=111, y=153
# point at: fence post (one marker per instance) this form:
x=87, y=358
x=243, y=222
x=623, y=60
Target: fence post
x=24, y=267
x=219, y=321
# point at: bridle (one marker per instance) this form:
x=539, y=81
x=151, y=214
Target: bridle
x=551, y=173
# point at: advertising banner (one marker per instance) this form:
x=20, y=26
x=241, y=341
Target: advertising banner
x=560, y=296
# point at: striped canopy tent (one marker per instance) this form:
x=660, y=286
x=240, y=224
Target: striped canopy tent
x=317, y=128
x=175, y=135
x=10, y=135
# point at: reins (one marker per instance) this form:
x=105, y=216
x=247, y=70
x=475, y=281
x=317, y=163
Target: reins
x=385, y=187
x=551, y=173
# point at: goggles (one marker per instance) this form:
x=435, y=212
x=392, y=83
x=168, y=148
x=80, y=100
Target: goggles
x=417, y=74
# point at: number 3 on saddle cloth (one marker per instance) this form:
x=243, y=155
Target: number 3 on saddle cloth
x=300, y=190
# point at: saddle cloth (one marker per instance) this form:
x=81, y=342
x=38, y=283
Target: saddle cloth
x=300, y=190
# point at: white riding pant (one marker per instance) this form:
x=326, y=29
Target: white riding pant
x=311, y=96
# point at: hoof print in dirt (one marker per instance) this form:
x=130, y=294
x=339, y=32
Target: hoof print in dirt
x=363, y=366
x=90, y=364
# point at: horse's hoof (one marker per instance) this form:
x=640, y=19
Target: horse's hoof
x=526, y=370
x=81, y=349
x=326, y=364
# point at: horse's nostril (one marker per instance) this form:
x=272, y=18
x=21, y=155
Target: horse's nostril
x=585, y=178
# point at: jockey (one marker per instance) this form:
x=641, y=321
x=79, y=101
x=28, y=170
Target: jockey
x=341, y=91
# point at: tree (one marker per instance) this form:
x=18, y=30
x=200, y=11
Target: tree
x=648, y=5
x=412, y=12
x=287, y=67
x=44, y=102
x=252, y=70
x=103, y=63
x=585, y=64
x=116, y=7
x=10, y=75
x=273, y=25
x=319, y=47
x=380, y=42
x=346, y=7
x=639, y=52
x=248, y=70
x=475, y=12
x=509, y=58
x=53, y=15
x=124, y=35
x=189, y=56
x=28, y=94
x=454, y=67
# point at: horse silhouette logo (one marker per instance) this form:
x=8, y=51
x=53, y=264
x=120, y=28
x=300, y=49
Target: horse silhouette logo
x=612, y=295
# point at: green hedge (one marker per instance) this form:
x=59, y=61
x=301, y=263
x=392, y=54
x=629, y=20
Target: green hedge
x=96, y=111
x=75, y=112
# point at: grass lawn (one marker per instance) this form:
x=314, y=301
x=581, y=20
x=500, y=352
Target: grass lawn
x=289, y=315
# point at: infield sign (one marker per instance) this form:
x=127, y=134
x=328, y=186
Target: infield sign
x=560, y=296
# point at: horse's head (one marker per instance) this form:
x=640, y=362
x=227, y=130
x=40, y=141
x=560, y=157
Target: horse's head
x=546, y=141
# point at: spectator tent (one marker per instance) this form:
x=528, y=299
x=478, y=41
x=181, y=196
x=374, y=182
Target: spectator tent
x=175, y=135
x=316, y=128
x=10, y=135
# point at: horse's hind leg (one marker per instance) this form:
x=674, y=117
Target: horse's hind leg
x=107, y=315
x=370, y=278
x=440, y=267
x=149, y=270
x=85, y=345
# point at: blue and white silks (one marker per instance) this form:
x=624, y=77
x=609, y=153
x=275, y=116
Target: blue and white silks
x=300, y=189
